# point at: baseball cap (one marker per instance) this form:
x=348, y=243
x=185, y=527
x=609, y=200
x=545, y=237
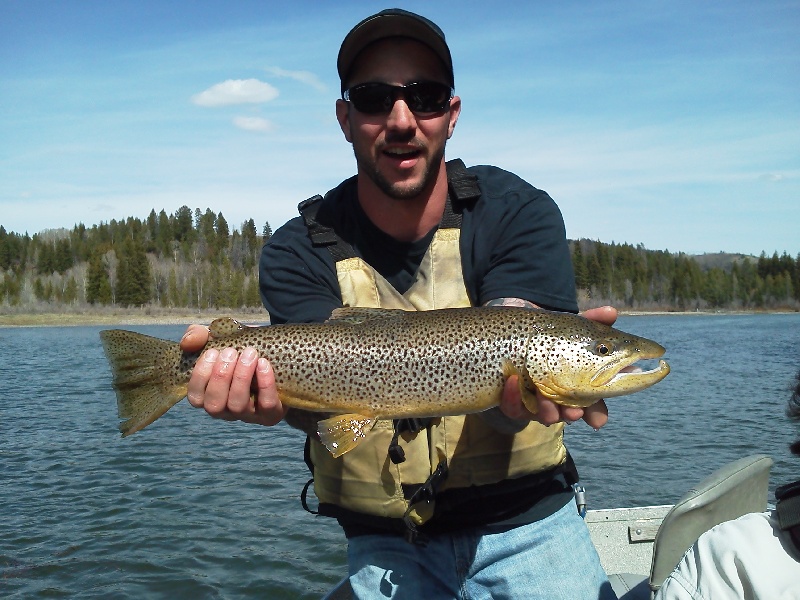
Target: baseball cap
x=392, y=22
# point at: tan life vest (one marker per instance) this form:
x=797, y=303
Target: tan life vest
x=365, y=480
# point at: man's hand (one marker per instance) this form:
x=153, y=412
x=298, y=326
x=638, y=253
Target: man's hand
x=222, y=382
x=549, y=413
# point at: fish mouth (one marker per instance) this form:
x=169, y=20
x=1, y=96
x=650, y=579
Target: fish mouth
x=617, y=379
x=629, y=377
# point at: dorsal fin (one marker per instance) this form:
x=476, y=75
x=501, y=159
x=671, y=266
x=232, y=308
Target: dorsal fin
x=354, y=315
x=224, y=326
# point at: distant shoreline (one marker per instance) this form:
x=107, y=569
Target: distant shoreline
x=131, y=316
x=151, y=316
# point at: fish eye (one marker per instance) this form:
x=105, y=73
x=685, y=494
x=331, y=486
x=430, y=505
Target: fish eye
x=603, y=348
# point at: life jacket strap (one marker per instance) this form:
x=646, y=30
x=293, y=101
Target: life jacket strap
x=396, y=453
x=426, y=493
x=304, y=497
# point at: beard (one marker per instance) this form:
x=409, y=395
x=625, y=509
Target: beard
x=399, y=190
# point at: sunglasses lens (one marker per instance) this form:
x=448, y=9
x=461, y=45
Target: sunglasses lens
x=371, y=98
x=377, y=98
x=427, y=97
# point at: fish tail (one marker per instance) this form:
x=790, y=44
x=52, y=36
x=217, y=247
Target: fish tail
x=146, y=375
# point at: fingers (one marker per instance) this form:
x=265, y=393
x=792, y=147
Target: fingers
x=268, y=405
x=511, y=405
x=511, y=400
x=222, y=381
x=602, y=314
x=200, y=377
x=218, y=388
x=195, y=338
x=596, y=415
x=549, y=413
x=227, y=394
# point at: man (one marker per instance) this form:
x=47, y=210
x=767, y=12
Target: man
x=442, y=507
x=755, y=556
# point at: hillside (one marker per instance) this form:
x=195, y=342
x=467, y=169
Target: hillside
x=196, y=260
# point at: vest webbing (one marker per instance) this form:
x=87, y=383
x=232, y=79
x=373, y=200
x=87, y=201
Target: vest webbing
x=461, y=186
x=406, y=494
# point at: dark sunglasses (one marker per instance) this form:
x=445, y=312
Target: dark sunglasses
x=422, y=97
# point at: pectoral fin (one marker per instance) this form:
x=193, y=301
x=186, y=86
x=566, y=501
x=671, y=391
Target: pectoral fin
x=528, y=397
x=342, y=433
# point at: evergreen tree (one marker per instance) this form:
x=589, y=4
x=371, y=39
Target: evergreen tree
x=174, y=297
x=12, y=288
x=223, y=234
x=98, y=283
x=151, y=232
x=593, y=271
x=796, y=278
x=38, y=289
x=62, y=256
x=70, y=295
x=252, y=295
x=205, y=235
x=183, y=224
x=5, y=249
x=266, y=233
x=45, y=264
x=250, y=234
x=164, y=235
x=250, y=245
x=79, y=243
x=133, y=275
x=579, y=266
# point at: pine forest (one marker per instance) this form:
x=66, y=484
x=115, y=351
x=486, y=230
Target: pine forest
x=194, y=259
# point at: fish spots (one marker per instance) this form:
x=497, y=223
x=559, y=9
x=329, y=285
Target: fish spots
x=393, y=364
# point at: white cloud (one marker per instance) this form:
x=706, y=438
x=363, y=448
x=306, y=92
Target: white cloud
x=306, y=77
x=236, y=91
x=772, y=177
x=257, y=124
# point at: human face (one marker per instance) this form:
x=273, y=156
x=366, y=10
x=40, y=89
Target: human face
x=400, y=153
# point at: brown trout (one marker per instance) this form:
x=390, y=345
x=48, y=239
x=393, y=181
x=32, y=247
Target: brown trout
x=368, y=364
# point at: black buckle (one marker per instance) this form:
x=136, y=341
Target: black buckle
x=426, y=493
x=788, y=505
x=396, y=454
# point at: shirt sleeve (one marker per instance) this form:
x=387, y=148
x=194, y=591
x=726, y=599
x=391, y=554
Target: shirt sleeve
x=519, y=246
x=298, y=283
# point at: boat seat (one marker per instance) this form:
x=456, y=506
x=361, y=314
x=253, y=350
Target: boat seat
x=630, y=586
x=737, y=488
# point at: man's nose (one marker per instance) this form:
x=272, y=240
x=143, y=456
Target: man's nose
x=400, y=117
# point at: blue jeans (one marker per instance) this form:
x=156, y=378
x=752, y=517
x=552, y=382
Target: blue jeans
x=551, y=559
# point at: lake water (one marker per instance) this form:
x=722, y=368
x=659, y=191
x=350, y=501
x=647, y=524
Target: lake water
x=198, y=508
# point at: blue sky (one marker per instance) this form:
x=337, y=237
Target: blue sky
x=675, y=125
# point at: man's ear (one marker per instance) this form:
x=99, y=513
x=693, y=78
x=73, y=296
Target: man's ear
x=343, y=116
x=455, y=111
